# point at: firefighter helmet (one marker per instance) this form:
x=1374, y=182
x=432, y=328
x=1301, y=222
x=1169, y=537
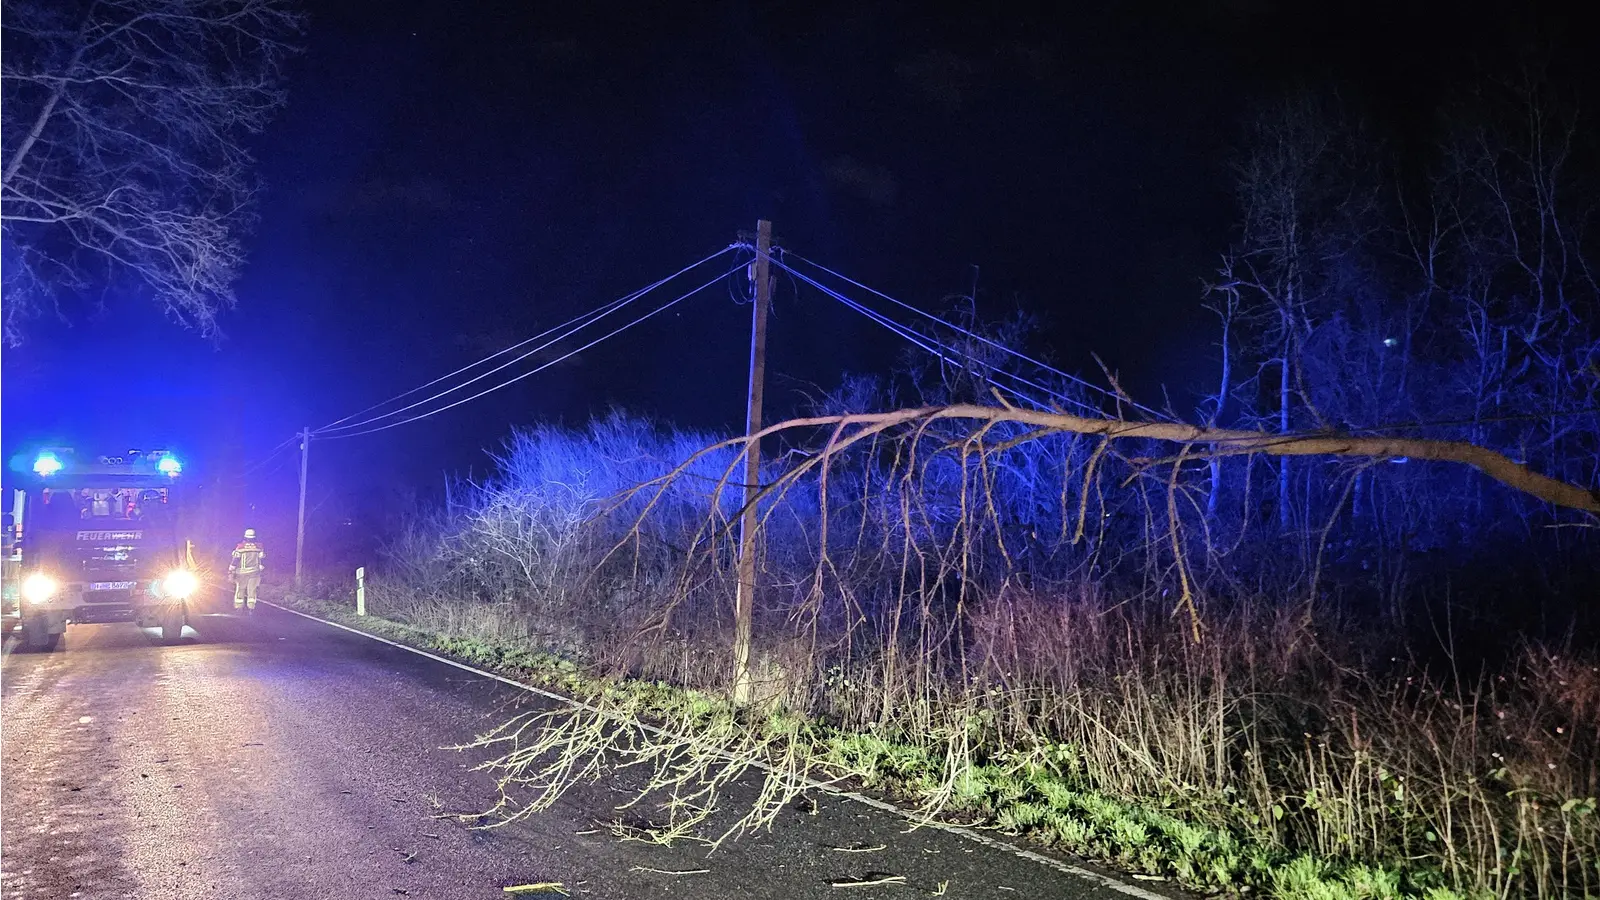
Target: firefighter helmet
x=249, y=534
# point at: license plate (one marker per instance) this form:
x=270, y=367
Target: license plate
x=112, y=585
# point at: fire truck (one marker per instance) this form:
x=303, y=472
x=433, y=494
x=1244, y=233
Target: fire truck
x=101, y=539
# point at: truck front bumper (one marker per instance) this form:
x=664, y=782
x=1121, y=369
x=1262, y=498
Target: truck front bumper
x=55, y=615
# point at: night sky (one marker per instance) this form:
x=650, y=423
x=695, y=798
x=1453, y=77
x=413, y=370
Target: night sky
x=451, y=177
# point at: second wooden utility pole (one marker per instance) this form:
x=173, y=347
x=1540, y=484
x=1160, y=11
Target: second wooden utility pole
x=300, y=523
x=749, y=523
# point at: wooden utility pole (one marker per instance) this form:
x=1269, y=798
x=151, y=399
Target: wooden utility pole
x=300, y=524
x=744, y=599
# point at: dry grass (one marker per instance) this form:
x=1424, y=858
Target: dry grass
x=1001, y=626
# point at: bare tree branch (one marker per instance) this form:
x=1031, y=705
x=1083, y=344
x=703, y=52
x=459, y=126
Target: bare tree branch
x=1227, y=441
x=122, y=146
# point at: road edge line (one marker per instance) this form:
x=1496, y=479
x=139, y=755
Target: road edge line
x=992, y=843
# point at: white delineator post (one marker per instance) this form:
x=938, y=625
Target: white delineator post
x=300, y=522
x=361, y=591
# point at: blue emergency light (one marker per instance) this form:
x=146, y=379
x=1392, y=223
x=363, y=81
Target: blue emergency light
x=169, y=465
x=47, y=464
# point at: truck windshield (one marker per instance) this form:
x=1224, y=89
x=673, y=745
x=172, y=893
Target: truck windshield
x=74, y=508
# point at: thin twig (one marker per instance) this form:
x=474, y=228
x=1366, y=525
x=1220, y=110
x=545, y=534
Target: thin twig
x=871, y=882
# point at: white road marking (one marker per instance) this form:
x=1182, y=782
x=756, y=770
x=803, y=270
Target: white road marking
x=1098, y=878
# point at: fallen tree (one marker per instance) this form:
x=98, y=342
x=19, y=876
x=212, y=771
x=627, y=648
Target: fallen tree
x=971, y=608
x=851, y=429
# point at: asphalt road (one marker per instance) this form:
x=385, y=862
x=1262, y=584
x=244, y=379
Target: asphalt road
x=283, y=758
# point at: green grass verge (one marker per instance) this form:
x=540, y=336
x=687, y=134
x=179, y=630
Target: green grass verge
x=1033, y=797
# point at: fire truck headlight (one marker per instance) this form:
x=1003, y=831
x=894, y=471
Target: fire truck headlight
x=180, y=583
x=39, y=587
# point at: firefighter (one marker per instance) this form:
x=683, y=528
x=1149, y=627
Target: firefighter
x=245, y=569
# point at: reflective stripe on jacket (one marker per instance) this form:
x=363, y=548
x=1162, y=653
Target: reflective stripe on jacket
x=247, y=558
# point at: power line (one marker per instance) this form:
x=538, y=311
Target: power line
x=944, y=351
x=274, y=470
x=658, y=310
x=990, y=342
x=584, y=320
x=936, y=348
x=610, y=308
x=974, y=335
x=270, y=454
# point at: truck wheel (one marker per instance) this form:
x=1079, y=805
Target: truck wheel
x=172, y=625
x=37, y=636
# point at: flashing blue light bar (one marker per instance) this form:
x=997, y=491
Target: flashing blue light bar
x=47, y=464
x=169, y=465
